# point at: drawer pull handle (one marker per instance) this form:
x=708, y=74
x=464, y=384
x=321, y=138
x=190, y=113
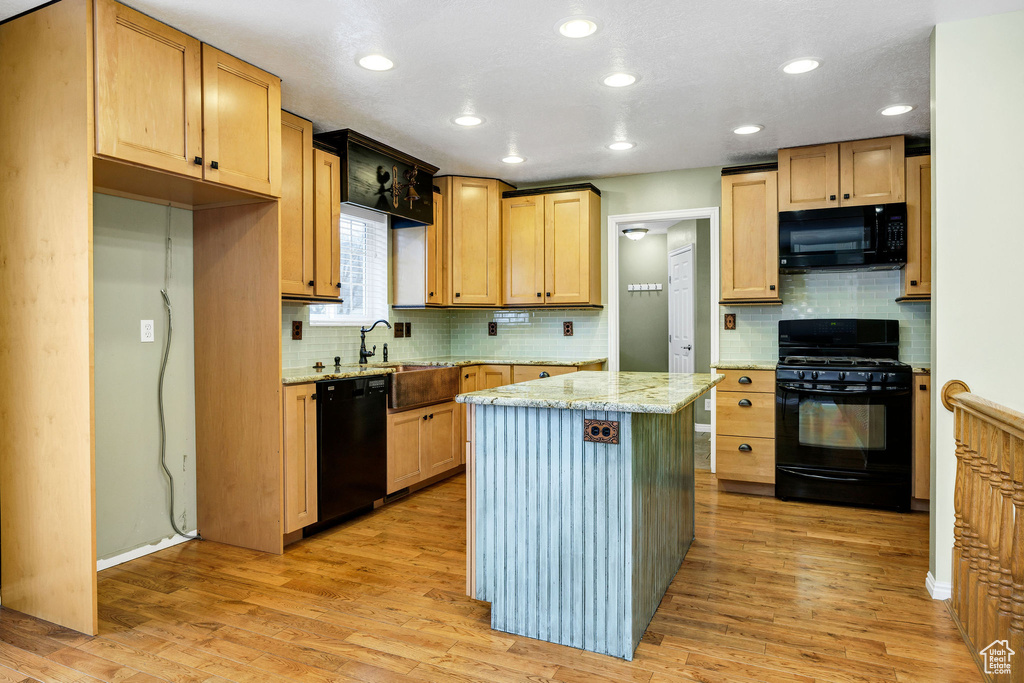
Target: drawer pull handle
x=745, y=403
x=745, y=447
x=745, y=380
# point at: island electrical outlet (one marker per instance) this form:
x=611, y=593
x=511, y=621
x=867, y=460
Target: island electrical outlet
x=148, y=334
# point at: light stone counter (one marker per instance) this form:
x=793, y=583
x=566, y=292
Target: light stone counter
x=745, y=365
x=621, y=392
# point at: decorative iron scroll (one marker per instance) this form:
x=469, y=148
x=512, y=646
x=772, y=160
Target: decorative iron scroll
x=988, y=532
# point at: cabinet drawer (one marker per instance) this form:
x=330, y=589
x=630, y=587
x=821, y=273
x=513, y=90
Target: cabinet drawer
x=735, y=462
x=524, y=373
x=736, y=418
x=761, y=381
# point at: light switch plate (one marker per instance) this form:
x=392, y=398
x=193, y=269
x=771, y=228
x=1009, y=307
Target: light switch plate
x=707, y=404
x=148, y=334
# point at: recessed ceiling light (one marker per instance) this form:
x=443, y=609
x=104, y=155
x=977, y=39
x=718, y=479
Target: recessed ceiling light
x=801, y=66
x=748, y=130
x=577, y=27
x=469, y=120
x=619, y=80
x=896, y=110
x=376, y=63
x=622, y=145
x=513, y=159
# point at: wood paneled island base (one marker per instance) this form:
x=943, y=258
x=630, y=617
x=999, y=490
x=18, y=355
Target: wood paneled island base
x=575, y=534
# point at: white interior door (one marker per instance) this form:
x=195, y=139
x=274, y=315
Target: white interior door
x=680, y=310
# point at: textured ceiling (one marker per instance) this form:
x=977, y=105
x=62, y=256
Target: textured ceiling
x=705, y=68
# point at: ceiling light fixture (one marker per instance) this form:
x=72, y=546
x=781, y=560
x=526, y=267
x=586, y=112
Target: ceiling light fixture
x=896, y=110
x=513, y=159
x=801, y=66
x=635, y=233
x=469, y=120
x=748, y=129
x=577, y=27
x=376, y=63
x=619, y=80
x=622, y=146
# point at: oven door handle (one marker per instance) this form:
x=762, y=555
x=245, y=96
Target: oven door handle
x=796, y=473
x=833, y=392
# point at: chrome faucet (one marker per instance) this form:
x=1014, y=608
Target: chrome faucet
x=363, y=353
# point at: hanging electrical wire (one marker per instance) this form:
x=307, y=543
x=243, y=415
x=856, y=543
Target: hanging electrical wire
x=160, y=383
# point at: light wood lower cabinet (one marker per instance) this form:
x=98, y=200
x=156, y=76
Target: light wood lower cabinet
x=300, y=472
x=745, y=430
x=493, y=376
x=423, y=442
x=524, y=373
x=922, y=435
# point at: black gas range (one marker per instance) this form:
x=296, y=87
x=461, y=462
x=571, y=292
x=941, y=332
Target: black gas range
x=843, y=413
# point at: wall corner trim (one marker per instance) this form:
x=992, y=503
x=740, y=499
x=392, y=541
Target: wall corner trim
x=142, y=551
x=939, y=590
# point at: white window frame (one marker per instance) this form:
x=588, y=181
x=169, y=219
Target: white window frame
x=371, y=273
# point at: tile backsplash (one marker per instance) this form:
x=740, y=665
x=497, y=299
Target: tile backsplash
x=858, y=294
x=529, y=334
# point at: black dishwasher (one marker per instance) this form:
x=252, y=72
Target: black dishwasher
x=352, y=447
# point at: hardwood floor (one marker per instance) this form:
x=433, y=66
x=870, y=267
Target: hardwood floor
x=770, y=591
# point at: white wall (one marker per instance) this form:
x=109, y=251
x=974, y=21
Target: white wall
x=978, y=241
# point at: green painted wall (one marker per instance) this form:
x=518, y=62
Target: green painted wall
x=128, y=273
x=643, y=316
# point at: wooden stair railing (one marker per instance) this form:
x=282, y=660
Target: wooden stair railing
x=988, y=547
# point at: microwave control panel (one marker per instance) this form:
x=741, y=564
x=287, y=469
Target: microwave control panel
x=896, y=239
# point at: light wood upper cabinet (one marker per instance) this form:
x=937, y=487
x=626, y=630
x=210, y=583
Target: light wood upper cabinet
x=552, y=249
x=809, y=177
x=326, y=223
x=750, y=237
x=148, y=91
x=473, y=226
x=917, y=276
x=522, y=230
x=842, y=174
x=297, y=275
x=871, y=171
x=418, y=269
x=241, y=124
x=423, y=442
x=300, y=470
x=572, y=248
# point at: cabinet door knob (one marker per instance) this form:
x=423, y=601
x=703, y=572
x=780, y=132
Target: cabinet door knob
x=310, y=283
x=214, y=165
x=338, y=285
x=745, y=447
x=198, y=161
x=922, y=387
x=457, y=295
x=771, y=287
x=466, y=376
x=430, y=294
x=744, y=403
x=538, y=294
x=846, y=196
x=312, y=397
x=744, y=380
x=831, y=197
x=431, y=416
x=548, y=293
x=913, y=283
x=424, y=417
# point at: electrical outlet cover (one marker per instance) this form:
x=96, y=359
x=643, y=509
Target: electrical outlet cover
x=148, y=333
x=399, y=329
x=297, y=330
x=730, y=321
x=408, y=330
x=492, y=329
x=567, y=328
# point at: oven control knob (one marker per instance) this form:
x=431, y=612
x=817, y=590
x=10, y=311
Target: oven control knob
x=814, y=375
x=870, y=376
x=885, y=377
x=842, y=375
x=800, y=374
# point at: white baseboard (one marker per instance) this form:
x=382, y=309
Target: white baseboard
x=939, y=590
x=698, y=427
x=141, y=552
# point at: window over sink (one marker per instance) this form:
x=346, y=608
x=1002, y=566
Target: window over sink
x=363, y=271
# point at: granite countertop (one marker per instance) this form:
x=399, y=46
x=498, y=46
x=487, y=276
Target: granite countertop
x=922, y=369
x=745, y=365
x=306, y=374
x=624, y=392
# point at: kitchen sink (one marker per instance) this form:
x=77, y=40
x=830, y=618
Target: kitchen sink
x=422, y=385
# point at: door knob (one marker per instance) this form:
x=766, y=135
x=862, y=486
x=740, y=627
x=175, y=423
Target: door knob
x=688, y=347
x=744, y=403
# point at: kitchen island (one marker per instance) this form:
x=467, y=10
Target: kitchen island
x=580, y=502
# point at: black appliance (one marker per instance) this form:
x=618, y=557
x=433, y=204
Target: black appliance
x=844, y=238
x=843, y=413
x=352, y=447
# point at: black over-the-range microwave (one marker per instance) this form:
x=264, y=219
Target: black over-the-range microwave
x=843, y=238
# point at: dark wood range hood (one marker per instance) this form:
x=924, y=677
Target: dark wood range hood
x=382, y=178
